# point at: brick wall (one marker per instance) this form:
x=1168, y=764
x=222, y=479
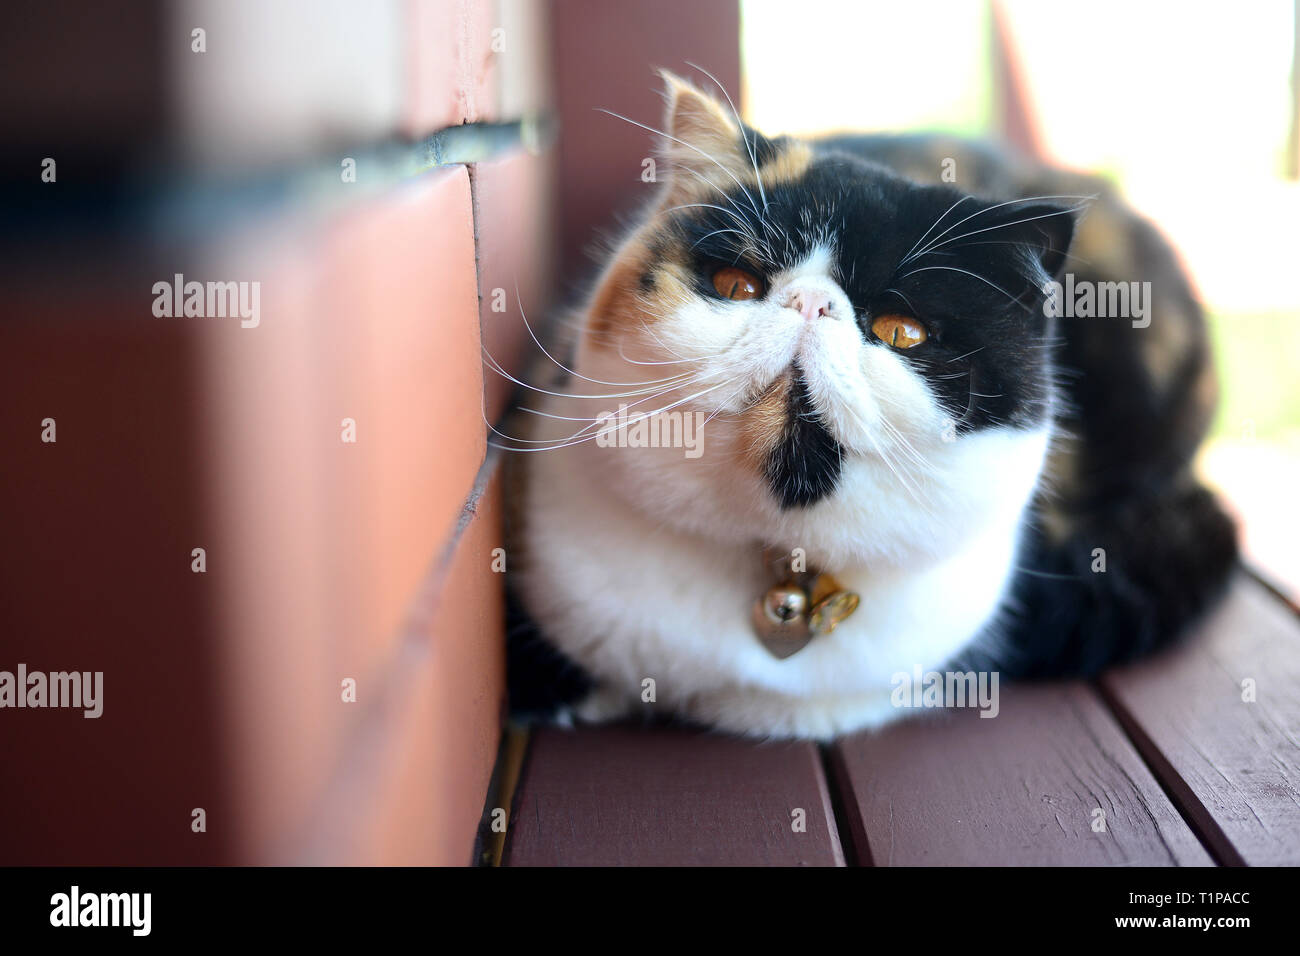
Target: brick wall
x=330, y=461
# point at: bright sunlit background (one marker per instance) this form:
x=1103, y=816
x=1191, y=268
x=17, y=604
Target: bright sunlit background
x=1188, y=108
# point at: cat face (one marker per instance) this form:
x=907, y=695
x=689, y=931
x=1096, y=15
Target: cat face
x=853, y=340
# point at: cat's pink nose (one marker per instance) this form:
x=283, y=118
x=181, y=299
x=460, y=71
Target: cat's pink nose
x=811, y=303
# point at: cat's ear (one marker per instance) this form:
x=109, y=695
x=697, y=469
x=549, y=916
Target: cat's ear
x=1045, y=228
x=703, y=146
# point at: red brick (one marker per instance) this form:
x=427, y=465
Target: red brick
x=411, y=781
x=466, y=628
x=451, y=73
x=321, y=545
x=403, y=341
x=278, y=617
x=431, y=795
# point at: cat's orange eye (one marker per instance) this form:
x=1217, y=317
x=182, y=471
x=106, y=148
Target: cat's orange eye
x=733, y=283
x=900, y=331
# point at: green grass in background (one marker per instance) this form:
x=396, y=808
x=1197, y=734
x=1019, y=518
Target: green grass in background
x=1257, y=356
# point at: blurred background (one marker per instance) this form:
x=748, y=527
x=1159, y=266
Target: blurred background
x=279, y=539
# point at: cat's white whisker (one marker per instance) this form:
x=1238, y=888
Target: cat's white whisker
x=558, y=363
x=718, y=232
x=615, y=426
x=884, y=456
x=677, y=386
x=496, y=367
x=906, y=446
x=903, y=297
x=985, y=211
x=706, y=205
x=726, y=401
x=740, y=126
x=709, y=157
x=966, y=355
x=931, y=229
x=741, y=216
x=973, y=275
x=677, y=361
x=1006, y=225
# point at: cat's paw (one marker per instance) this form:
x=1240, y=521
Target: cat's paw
x=603, y=705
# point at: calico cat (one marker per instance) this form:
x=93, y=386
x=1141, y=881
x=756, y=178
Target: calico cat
x=827, y=419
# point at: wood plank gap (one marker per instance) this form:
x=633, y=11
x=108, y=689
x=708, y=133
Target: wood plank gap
x=1232, y=743
x=489, y=848
x=1196, y=815
x=852, y=839
x=521, y=773
x=1271, y=585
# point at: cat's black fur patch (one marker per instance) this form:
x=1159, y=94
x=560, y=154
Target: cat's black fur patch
x=764, y=149
x=805, y=465
x=540, y=680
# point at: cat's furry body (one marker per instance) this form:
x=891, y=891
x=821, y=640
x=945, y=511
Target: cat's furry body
x=964, y=489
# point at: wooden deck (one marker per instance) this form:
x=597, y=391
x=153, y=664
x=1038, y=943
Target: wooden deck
x=1163, y=763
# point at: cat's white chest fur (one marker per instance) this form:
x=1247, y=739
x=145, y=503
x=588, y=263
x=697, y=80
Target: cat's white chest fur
x=633, y=598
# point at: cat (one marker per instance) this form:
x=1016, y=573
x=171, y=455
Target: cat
x=919, y=446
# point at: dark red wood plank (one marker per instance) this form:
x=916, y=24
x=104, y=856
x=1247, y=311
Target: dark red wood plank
x=1234, y=765
x=1018, y=789
x=618, y=796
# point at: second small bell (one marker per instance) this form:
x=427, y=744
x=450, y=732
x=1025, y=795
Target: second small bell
x=831, y=610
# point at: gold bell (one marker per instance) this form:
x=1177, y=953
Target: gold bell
x=780, y=620
x=830, y=611
x=784, y=602
x=831, y=604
